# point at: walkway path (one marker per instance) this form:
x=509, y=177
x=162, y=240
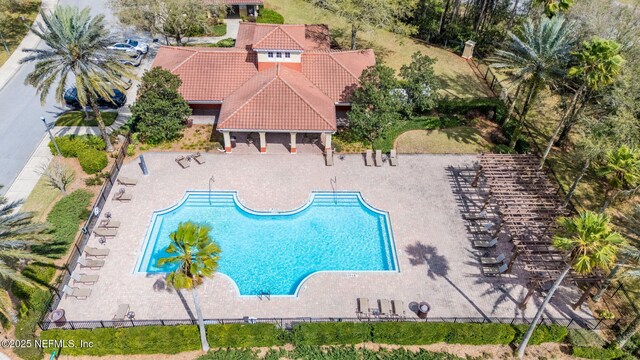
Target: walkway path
x=233, y=24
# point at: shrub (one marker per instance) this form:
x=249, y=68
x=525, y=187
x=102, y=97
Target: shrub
x=96, y=179
x=332, y=333
x=431, y=333
x=92, y=161
x=542, y=334
x=70, y=145
x=597, y=353
x=244, y=335
x=493, y=109
x=226, y=43
x=268, y=16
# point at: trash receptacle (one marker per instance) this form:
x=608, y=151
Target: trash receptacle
x=57, y=317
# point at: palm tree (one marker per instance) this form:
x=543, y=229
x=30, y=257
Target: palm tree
x=535, y=58
x=621, y=173
x=598, y=65
x=629, y=258
x=76, y=45
x=195, y=257
x=590, y=243
x=17, y=234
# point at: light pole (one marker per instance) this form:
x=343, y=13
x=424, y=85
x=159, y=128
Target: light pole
x=48, y=127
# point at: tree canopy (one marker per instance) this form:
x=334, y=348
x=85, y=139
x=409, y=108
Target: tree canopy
x=420, y=82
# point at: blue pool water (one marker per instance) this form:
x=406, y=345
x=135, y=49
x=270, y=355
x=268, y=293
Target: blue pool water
x=275, y=252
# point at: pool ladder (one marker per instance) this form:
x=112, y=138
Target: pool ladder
x=265, y=294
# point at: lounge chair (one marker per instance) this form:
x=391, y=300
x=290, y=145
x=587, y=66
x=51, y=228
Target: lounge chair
x=363, y=306
x=492, y=260
x=84, y=278
x=368, y=158
x=182, y=161
x=123, y=310
x=384, y=307
x=102, y=232
x=485, y=243
x=109, y=224
x=492, y=270
x=198, y=158
x=95, y=252
x=398, y=308
x=378, y=157
x=393, y=158
x=127, y=181
x=122, y=195
x=329, y=157
x=77, y=293
x=91, y=264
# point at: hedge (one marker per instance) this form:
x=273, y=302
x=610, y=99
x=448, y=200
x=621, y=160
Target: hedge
x=494, y=109
x=244, y=335
x=597, y=353
x=452, y=333
x=268, y=16
x=70, y=145
x=92, y=161
x=542, y=334
x=64, y=218
x=333, y=353
x=332, y=333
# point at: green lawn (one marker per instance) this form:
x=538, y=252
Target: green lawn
x=454, y=72
x=40, y=200
x=16, y=28
x=457, y=140
x=217, y=30
x=77, y=118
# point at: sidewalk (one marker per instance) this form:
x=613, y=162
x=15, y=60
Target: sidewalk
x=30, y=41
x=30, y=174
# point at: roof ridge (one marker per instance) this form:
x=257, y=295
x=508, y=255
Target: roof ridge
x=250, y=98
x=277, y=27
x=194, y=53
x=303, y=98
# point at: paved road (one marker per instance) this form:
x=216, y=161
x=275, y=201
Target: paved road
x=20, y=126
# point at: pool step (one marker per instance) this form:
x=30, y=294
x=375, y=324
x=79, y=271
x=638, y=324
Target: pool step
x=216, y=199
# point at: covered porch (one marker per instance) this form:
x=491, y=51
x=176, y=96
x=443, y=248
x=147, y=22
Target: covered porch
x=253, y=142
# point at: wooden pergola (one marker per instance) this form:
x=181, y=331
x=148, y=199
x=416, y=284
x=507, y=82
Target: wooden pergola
x=527, y=205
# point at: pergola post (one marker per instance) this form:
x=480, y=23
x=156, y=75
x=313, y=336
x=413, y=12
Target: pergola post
x=294, y=150
x=327, y=141
x=227, y=141
x=263, y=142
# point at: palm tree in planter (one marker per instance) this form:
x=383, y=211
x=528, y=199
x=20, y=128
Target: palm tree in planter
x=535, y=58
x=17, y=234
x=590, y=243
x=621, y=174
x=195, y=258
x=76, y=46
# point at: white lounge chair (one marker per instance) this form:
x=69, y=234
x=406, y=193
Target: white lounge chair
x=127, y=181
x=77, y=293
x=198, y=158
x=109, y=224
x=378, y=157
x=393, y=158
x=492, y=260
x=123, y=310
x=384, y=307
x=84, y=278
x=103, y=232
x=91, y=264
x=121, y=195
x=363, y=306
x=95, y=252
x=398, y=308
x=183, y=162
x=368, y=158
x=485, y=243
x=492, y=270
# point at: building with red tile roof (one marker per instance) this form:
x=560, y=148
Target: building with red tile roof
x=277, y=79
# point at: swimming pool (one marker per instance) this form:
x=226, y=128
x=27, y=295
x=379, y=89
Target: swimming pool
x=269, y=252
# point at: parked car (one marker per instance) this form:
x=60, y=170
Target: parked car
x=131, y=45
x=117, y=100
x=133, y=60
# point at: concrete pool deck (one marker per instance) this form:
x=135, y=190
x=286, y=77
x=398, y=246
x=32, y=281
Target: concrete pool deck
x=435, y=257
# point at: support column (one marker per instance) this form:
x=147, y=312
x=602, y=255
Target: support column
x=227, y=141
x=327, y=141
x=263, y=142
x=294, y=150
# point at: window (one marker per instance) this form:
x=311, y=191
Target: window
x=278, y=54
x=270, y=54
x=287, y=55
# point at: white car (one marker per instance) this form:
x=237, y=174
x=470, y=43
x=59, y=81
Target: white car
x=131, y=45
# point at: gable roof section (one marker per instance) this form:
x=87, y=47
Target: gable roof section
x=278, y=99
x=208, y=74
x=337, y=73
x=281, y=38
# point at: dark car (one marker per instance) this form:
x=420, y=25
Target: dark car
x=117, y=100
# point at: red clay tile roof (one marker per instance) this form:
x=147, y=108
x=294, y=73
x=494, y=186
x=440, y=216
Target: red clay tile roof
x=282, y=37
x=208, y=74
x=278, y=99
x=337, y=73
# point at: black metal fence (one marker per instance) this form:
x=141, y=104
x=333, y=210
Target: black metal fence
x=288, y=323
x=82, y=239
